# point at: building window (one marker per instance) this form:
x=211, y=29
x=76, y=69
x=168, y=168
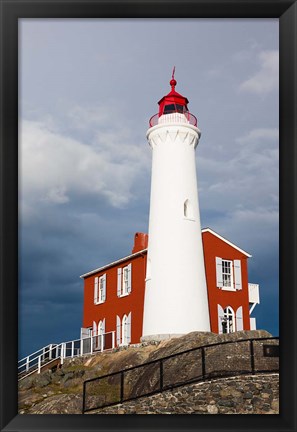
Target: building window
x=228, y=274
x=124, y=281
x=226, y=318
x=100, y=289
x=86, y=332
x=101, y=337
x=100, y=328
x=124, y=330
x=94, y=330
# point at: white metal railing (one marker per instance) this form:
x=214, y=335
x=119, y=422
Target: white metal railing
x=173, y=117
x=75, y=348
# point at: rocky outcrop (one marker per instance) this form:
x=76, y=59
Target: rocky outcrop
x=59, y=391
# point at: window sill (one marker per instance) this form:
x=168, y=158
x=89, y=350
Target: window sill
x=124, y=295
x=100, y=302
x=228, y=289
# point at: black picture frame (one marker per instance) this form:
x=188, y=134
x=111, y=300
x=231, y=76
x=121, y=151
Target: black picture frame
x=11, y=11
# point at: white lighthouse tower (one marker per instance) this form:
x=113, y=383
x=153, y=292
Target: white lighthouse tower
x=175, y=293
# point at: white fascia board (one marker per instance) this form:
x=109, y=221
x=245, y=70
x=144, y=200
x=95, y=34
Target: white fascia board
x=226, y=241
x=114, y=263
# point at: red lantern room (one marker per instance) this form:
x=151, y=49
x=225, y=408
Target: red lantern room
x=172, y=103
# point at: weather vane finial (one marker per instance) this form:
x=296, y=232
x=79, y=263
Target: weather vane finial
x=173, y=81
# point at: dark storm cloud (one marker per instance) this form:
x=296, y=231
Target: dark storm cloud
x=85, y=162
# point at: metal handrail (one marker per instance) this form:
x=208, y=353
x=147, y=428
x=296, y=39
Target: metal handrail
x=50, y=352
x=161, y=361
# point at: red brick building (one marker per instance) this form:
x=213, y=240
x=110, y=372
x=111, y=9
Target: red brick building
x=114, y=293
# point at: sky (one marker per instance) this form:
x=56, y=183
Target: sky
x=88, y=88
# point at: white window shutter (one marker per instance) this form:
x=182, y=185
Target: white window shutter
x=129, y=329
x=239, y=319
x=94, y=328
x=118, y=332
x=104, y=288
x=96, y=290
x=221, y=315
x=103, y=325
x=129, y=278
x=119, y=281
x=237, y=274
x=219, y=272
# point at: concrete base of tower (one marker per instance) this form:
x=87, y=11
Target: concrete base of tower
x=160, y=337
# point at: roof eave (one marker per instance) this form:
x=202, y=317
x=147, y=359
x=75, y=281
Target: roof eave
x=226, y=241
x=113, y=263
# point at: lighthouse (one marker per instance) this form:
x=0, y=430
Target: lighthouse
x=175, y=287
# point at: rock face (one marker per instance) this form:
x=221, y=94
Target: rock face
x=60, y=391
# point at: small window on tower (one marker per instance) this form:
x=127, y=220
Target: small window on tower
x=188, y=211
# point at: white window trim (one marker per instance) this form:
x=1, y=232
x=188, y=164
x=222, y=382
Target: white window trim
x=236, y=274
x=123, y=330
x=100, y=289
x=232, y=287
x=125, y=281
x=100, y=328
x=229, y=312
x=124, y=291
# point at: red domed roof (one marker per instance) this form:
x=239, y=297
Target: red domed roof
x=173, y=101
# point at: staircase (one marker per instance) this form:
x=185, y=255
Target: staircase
x=53, y=355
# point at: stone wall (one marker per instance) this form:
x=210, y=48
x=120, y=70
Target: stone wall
x=60, y=391
x=248, y=394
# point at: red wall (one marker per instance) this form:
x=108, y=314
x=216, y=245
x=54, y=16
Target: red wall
x=214, y=247
x=134, y=302
x=113, y=304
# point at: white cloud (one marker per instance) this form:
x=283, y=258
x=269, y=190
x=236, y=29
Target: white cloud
x=267, y=78
x=243, y=183
x=82, y=118
x=57, y=195
x=259, y=134
x=54, y=167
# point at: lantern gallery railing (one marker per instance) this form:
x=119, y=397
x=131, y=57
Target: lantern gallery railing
x=174, y=117
x=225, y=359
x=53, y=353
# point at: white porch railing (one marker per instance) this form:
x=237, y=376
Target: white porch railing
x=75, y=348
